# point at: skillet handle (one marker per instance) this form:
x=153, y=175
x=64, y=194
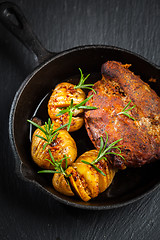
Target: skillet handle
x=13, y=19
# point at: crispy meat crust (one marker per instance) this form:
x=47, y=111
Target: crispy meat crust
x=141, y=138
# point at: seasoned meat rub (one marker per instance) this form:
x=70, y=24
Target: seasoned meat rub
x=141, y=137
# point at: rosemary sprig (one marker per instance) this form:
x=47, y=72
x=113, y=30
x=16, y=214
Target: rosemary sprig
x=50, y=134
x=70, y=109
x=104, y=150
x=126, y=110
x=57, y=165
x=82, y=80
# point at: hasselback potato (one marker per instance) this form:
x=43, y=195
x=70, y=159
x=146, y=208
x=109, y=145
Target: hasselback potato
x=62, y=145
x=86, y=181
x=61, y=184
x=61, y=98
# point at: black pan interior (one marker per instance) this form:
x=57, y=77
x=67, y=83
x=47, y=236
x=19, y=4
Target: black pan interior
x=31, y=99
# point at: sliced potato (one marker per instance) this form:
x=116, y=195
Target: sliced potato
x=88, y=156
x=103, y=180
x=61, y=97
x=78, y=184
x=105, y=167
x=110, y=172
x=63, y=145
x=86, y=181
x=91, y=177
x=76, y=123
x=63, y=93
x=61, y=185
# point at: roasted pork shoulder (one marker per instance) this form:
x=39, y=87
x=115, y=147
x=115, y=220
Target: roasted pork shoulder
x=140, y=133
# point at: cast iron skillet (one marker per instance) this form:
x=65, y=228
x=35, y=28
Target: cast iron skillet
x=31, y=99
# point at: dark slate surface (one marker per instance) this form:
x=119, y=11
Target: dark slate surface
x=60, y=25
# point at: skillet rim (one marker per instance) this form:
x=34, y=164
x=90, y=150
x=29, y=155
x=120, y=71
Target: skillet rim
x=18, y=161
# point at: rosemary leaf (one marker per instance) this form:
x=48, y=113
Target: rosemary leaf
x=101, y=146
x=70, y=120
x=126, y=110
x=61, y=127
x=47, y=171
x=57, y=164
x=117, y=154
x=104, y=150
x=38, y=126
x=82, y=80
x=50, y=134
x=98, y=170
x=63, y=111
x=94, y=166
x=88, y=163
x=126, y=114
x=87, y=107
x=70, y=109
x=83, y=102
x=41, y=137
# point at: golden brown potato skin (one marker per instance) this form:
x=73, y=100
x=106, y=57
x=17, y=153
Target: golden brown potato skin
x=90, y=176
x=61, y=97
x=78, y=184
x=87, y=182
x=61, y=185
x=104, y=181
x=63, y=145
x=141, y=138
